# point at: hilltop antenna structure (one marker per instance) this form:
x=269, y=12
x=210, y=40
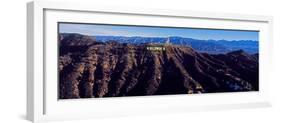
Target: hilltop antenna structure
x=167, y=41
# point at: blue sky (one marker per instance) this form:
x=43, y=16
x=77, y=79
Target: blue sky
x=120, y=30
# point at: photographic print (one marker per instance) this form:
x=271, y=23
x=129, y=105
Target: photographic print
x=106, y=60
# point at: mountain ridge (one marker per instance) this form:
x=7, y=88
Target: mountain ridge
x=209, y=46
x=89, y=68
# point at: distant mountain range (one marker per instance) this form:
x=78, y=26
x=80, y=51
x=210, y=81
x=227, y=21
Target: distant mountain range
x=208, y=46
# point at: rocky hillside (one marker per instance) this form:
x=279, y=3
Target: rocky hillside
x=96, y=69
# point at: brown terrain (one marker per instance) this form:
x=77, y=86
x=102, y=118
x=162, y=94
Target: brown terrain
x=96, y=69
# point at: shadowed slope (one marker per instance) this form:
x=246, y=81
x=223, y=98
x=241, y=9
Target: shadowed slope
x=93, y=69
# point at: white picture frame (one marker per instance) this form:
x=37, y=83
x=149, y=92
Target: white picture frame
x=42, y=102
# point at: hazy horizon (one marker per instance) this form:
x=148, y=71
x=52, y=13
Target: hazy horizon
x=160, y=32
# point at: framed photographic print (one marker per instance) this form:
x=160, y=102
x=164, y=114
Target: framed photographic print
x=96, y=61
